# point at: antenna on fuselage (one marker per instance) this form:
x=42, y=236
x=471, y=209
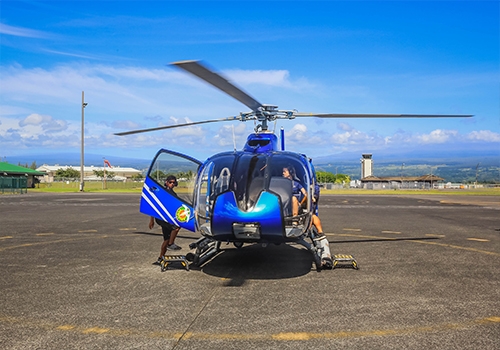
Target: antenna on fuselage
x=234, y=139
x=282, y=138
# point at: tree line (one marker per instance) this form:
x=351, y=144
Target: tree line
x=327, y=177
x=70, y=173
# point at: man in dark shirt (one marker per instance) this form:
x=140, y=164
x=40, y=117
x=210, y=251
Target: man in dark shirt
x=169, y=231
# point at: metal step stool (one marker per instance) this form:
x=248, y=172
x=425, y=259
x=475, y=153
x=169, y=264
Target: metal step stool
x=167, y=259
x=343, y=260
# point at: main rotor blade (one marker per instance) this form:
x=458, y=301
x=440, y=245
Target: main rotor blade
x=343, y=115
x=195, y=68
x=175, y=126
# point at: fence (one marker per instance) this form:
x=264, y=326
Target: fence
x=13, y=184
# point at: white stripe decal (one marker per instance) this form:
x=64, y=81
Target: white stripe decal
x=159, y=203
x=144, y=196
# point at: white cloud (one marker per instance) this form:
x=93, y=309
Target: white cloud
x=125, y=125
x=344, y=127
x=297, y=134
x=437, y=136
x=224, y=136
x=23, y=32
x=264, y=77
x=46, y=122
x=41, y=108
x=484, y=135
x=357, y=137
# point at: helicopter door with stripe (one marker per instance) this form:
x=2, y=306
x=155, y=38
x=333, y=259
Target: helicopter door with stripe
x=175, y=208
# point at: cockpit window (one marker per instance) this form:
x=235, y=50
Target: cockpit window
x=214, y=180
x=249, y=179
x=255, y=143
x=247, y=175
x=283, y=165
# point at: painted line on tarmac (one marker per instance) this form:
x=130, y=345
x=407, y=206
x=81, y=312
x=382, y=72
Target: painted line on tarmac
x=417, y=241
x=393, y=232
x=50, y=242
x=478, y=239
x=6, y=237
x=459, y=247
x=282, y=336
x=45, y=234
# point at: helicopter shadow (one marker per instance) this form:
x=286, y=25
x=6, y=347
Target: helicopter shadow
x=256, y=262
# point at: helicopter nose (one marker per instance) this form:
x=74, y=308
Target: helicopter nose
x=263, y=221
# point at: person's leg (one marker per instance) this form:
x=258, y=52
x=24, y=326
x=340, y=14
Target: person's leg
x=295, y=206
x=163, y=250
x=166, y=238
x=173, y=234
x=317, y=223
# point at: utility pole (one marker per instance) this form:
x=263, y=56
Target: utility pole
x=477, y=166
x=402, y=168
x=82, y=162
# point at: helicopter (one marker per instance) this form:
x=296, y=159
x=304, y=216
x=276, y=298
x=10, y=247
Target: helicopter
x=242, y=197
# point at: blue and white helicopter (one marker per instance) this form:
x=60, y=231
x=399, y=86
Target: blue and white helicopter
x=242, y=196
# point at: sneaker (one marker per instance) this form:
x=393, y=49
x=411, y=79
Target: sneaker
x=174, y=246
x=158, y=262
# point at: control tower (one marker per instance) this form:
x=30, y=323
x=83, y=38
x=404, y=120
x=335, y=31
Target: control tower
x=366, y=165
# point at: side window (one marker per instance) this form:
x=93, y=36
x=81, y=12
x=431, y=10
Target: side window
x=203, y=200
x=214, y=179
x=298, y=172
x=183, y=169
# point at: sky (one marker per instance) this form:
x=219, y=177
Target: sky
x=396, y=57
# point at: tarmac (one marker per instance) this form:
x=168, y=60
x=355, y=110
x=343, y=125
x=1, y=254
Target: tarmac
x=76, y=272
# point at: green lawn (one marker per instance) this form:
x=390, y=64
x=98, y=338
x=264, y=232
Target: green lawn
x=132, y=187
x=472, y=192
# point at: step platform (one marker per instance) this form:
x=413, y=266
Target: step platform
x=167, y=259
x=344, y=260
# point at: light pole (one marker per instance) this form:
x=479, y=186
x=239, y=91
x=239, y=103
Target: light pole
x=81, y=154
x=477, y=166
x=402, y=168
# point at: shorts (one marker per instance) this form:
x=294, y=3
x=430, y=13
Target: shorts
x=166, y=228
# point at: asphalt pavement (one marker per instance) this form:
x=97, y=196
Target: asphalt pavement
x=76, y=272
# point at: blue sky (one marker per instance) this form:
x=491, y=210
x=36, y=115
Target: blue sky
x=413, y=57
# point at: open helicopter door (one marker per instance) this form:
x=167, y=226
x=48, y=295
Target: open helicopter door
x=156, y=201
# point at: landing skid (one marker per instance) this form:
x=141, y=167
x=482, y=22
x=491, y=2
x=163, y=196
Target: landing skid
x=320, y=250
x=205, y=249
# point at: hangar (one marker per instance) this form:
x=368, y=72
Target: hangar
x=400, y=182
x=15, y=178
x=121, y=173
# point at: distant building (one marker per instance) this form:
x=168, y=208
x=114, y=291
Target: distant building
x=14, y=176
x=120, y=173
x=366, y=165
x=369, y=181
x=400, y=182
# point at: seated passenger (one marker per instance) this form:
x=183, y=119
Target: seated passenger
x=298, y=190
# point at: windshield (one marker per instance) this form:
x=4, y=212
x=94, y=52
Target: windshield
x=247, y=175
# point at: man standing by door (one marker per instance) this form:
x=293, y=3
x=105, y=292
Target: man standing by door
x=169, y=231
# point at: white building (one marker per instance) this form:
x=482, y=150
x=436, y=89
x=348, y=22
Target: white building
x=120, y=173
x=366, y=165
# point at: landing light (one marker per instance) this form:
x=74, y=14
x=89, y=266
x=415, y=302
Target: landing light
x=246, y=230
